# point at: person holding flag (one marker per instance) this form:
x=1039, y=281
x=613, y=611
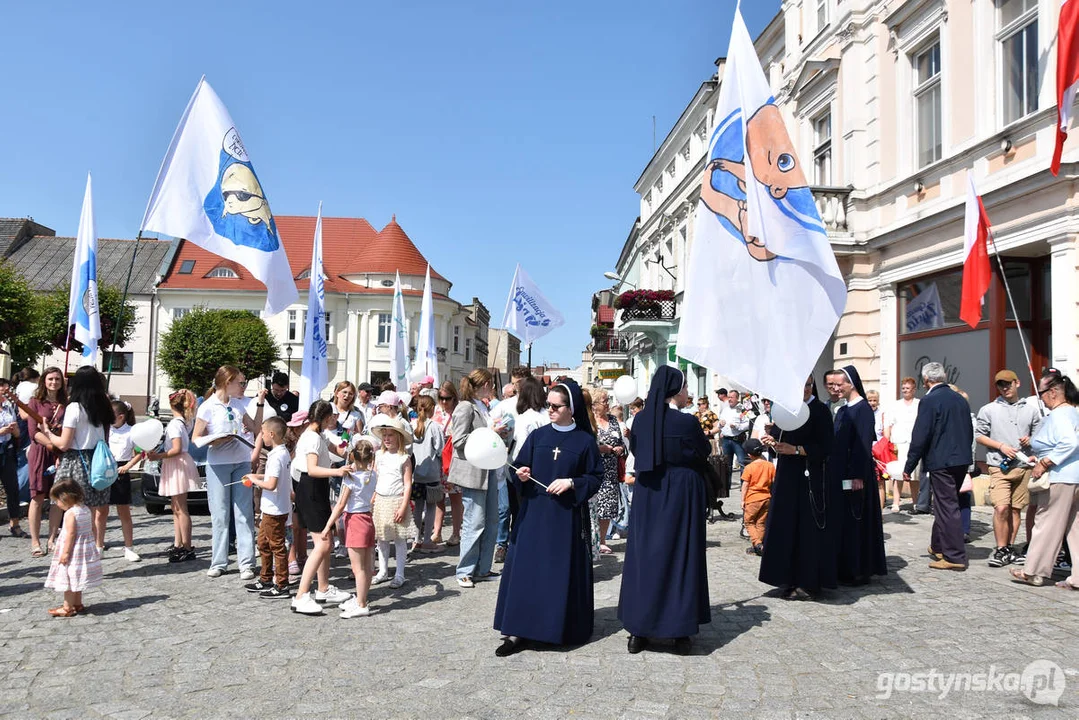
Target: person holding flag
x=758, y=235
x=207, y=192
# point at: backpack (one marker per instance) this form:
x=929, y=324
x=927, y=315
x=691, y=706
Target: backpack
x=103, y=469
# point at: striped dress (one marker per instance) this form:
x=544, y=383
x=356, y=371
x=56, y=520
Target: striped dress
x=84, y=569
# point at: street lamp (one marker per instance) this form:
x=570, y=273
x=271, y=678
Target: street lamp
x=288, y=354
x=611, y=275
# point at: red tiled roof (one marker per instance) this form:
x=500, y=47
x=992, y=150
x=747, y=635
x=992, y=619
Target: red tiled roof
x=605, y=314
x=350, y=246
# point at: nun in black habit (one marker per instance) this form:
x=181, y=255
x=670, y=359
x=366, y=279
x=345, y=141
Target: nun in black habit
x=799, y=539
x=546, y=589
x=851, y=468
x=664, y=579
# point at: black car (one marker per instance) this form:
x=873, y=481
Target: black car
x=157, y=504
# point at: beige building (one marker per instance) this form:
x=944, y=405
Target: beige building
x=890, y=104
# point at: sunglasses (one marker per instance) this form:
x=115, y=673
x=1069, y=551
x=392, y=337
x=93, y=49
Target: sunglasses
x=1042, y=392
x=241, y=195
x=554, y=406
x=444, y=398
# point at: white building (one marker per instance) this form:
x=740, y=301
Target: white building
x=360, y=264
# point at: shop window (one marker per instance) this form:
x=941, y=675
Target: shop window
x=920, y=312
x=1018, y=275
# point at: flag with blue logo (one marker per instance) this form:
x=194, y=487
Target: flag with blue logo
x=314, y=373
x=529, y=315
x=207, y=192
x=399, y=364
x=83, y=318
x=426, y=350
x=763, y=291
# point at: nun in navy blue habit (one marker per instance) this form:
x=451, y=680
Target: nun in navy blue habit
x=861, y=529
x=799, y=539
x=546, y=589
x=664, y=579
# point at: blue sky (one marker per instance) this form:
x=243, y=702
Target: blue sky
x=498, y=132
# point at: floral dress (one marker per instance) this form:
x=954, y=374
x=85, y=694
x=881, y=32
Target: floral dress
x=607, y=499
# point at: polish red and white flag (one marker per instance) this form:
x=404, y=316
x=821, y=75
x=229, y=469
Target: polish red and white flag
x=1067, y=73
x=976, y=271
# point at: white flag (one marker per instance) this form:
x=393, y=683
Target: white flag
x=761, y=269
x=426, y=352
x=399, y=364
x=925, y=312
x=82, y=306
x=314, y=373
x=528, y=314
x=207, y=192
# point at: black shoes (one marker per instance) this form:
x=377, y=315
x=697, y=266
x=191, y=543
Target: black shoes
x=510, y=646
x=682, y=646
x=179, y=554
x=636, y=644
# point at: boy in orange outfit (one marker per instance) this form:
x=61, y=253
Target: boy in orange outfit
x=756, y=494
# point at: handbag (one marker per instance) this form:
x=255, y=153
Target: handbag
x=968, y=484
x=1041, y=483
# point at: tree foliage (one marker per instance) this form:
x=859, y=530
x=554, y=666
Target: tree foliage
x=203, y=340
x=21, y=318
x=109, y=298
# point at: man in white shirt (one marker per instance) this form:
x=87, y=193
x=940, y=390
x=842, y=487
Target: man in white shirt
x=733, y=425
x=365, y=402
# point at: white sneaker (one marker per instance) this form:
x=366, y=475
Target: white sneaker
x=130, y=555
x=306, y=605
x=247, y=574
x=380, y=578
x=332, y=596
x=466, y=582
x=215, y=572
x=397, y=582
x=352, y=609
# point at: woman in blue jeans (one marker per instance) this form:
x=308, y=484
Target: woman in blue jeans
x=479, y=488
x=228, y=460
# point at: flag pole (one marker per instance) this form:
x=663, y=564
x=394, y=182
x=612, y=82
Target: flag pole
x=120, y=316
x=1015, y=313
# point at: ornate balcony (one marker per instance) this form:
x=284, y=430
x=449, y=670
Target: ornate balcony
x=661, y=310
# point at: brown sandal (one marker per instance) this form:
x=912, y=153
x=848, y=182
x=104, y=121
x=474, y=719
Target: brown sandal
x=63, y=611
x=37, y=552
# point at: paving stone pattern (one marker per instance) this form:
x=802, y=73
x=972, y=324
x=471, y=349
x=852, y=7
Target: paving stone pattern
x=162, y=640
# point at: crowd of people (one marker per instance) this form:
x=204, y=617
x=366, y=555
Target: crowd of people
x=372, y=473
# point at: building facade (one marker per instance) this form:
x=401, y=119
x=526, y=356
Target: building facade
x=504, y=351
x=879, y=100
x=360, y=264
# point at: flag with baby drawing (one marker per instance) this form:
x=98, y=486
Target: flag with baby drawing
x=207, y=192
x=763, y=290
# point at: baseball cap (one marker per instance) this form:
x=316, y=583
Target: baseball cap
x=388, y=397
x=753, y=446
x=366, y=387
x=1006, y=376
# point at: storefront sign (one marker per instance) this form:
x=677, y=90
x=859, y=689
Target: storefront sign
x=611, y=373
x=925, y=311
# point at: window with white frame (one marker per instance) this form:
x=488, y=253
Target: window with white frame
x=327, y=328
x=927, y=104
x=223, y=272
x=1018, y=37
x=468, y=349
x=822, y=149
x=385, y=328
x=178, y=313
x=822, y=14
x=293, y=333
x=457, y=338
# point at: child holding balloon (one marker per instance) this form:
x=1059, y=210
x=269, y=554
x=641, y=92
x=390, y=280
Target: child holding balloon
x=123, y=449
x=357, y=492
x=179, y=475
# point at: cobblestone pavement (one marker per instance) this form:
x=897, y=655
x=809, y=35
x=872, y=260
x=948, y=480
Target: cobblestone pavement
x=162, y=640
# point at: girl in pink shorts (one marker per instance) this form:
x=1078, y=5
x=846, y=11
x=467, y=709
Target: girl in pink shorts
x=357, y=489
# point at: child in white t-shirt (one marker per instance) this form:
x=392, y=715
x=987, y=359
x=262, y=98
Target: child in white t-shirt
x=393, y=489
x=276, y=505
x=357, y=491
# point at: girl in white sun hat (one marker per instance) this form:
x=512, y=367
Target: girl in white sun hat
x=393, y=487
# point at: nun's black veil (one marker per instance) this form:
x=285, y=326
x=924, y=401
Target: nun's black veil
x=648, y=424
x=855, y=379
x=577, y=405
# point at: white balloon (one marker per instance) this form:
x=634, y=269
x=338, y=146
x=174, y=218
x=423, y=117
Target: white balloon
x=895, y=469
x=147, y=434
x=417, y=374
x=625, y=389
x=485, y=449
x=788, y=421
x=405, y=399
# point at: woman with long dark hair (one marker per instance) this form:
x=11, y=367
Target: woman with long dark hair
x=48, y=401
x=799, y=546
x=87, y=419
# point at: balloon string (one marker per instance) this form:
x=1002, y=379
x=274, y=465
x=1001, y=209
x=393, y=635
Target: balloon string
x=545, y=487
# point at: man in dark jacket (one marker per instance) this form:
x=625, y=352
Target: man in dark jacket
x=942, y=439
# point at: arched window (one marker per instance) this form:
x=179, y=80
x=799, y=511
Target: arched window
x=223, y=272
x=305, y=275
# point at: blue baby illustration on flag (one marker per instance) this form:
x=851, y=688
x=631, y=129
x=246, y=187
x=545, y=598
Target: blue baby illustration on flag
x=772, y=165
x=236, y=206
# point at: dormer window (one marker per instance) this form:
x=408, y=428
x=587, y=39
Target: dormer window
x=305, y=275
x=223, y=272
